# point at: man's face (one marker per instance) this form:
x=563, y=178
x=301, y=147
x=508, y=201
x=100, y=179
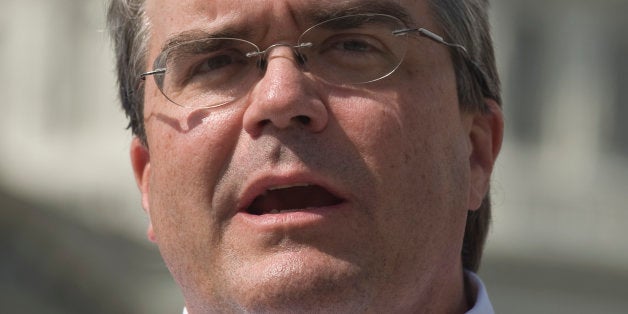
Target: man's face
x=381, y=173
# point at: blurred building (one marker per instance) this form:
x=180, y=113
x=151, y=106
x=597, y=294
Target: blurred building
x=72, y=229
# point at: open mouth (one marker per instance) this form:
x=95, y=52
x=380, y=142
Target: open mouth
x=292, y=198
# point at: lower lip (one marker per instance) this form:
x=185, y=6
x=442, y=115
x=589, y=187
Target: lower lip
x=292, y=219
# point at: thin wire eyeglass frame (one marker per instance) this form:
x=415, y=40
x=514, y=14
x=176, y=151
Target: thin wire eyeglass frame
x=476, y=70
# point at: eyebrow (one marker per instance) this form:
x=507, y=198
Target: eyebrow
x=198, y=35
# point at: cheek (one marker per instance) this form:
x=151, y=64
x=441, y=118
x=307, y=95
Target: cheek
x=189, y=150
x=433, y=136
x=394, y=131
x=372, y=121
x=191, y=143
x=187, y=158
x=414, y=148
x=412, y=141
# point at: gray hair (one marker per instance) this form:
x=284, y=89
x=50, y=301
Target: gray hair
x=129, y=30
x=464, y=22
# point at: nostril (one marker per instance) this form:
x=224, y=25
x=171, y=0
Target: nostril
x=305, y=120
x=263, y=123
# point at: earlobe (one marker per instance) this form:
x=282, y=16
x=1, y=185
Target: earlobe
x=140, y=161
x=485, y=137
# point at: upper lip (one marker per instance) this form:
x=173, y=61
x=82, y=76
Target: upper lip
x=258, y=185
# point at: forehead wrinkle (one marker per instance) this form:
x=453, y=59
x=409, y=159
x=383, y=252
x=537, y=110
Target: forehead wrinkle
x=338, y=9
x=230, y=25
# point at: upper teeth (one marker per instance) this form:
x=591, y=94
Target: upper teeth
x=297, y=185
x=277, y=211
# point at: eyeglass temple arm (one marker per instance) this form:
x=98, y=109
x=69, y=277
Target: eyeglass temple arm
x=429, y=35
x=153, y=72
x=476, y=69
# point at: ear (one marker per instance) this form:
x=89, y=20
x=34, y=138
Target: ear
x=485, y=138
x=140, y=161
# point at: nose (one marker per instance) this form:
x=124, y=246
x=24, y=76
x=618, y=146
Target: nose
x=285, y=97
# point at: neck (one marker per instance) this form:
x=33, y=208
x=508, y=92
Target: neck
x=447, y=292
x=456, y=295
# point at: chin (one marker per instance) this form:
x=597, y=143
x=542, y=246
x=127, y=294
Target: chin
x=297, y=283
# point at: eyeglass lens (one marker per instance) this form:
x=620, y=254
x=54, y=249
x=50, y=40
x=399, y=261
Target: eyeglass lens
x=212, y=72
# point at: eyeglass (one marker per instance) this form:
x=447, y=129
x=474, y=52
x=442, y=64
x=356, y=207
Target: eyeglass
x=348, y=50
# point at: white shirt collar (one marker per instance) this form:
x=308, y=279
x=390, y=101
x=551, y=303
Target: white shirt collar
x=482, y=303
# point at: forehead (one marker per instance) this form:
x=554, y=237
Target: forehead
x=264, y=17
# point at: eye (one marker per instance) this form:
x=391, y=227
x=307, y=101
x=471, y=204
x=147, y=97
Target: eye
x=221, y=61
x=353, y=45
x=353, y=52
x=210, y=69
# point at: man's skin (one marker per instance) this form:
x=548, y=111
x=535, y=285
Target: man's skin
x=391, y=169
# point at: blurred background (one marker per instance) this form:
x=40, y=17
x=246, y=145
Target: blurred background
x=72, y=231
